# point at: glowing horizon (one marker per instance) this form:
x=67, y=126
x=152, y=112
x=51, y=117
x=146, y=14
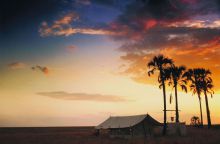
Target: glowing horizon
x=75, y=63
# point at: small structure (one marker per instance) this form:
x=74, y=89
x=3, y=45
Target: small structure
x=175, y=128
x=127, y=126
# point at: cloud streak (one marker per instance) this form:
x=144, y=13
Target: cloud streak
x=71, y=47
x=83, y=96
x=43, y=69
x=16, y=65
x=63, y=27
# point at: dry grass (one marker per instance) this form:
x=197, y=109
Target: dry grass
x=84, y=135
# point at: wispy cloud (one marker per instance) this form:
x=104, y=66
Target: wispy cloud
x=197, y=24
x=43, y=69
x=83, y=96
x=71, y=47
x=16, y=65
x=63, y=27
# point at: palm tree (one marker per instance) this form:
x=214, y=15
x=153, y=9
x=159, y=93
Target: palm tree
x=192, y=75
x=159, y=63
x=207, y=86
x=175, y=78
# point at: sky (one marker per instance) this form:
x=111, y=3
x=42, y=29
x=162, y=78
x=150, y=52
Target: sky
x=77, y=62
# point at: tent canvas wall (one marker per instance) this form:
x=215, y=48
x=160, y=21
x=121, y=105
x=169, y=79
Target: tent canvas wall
x=137, y=125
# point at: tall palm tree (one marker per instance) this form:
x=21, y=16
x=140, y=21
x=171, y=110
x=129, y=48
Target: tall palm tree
x=159, y=63
x=193, y=75
x=175, y=78
x=207, y=86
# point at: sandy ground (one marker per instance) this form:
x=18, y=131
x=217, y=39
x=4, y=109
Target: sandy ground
x=85, y=135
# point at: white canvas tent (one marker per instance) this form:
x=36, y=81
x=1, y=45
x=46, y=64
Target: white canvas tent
x=129, y=125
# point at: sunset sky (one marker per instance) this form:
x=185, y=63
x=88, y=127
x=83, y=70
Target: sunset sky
x=77, y=62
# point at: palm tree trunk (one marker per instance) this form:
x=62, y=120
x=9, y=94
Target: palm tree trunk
x=177, y=109
x=207, y=110
x=165, y=109
x=200, y=105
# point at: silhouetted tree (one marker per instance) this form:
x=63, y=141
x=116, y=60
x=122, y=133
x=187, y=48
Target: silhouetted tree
x=193, y=75
x=195, y=121
x=159, y=63
x=207, y=86
x=175, y=78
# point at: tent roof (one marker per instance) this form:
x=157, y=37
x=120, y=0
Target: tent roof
x=125, y=121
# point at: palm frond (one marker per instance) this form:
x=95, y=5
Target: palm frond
x=184, y=88
x=151, y=72
x=151, y=64
x=160, y=86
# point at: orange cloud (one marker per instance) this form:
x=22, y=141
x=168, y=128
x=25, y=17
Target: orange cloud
x=48, y=31
x=67, y=19
x=206, y=55
x=43, y=69
x=63, y=27
x=208, y=48
x=82, y=96
x=196, y=24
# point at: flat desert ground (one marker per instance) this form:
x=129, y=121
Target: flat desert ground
x=85, y=135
